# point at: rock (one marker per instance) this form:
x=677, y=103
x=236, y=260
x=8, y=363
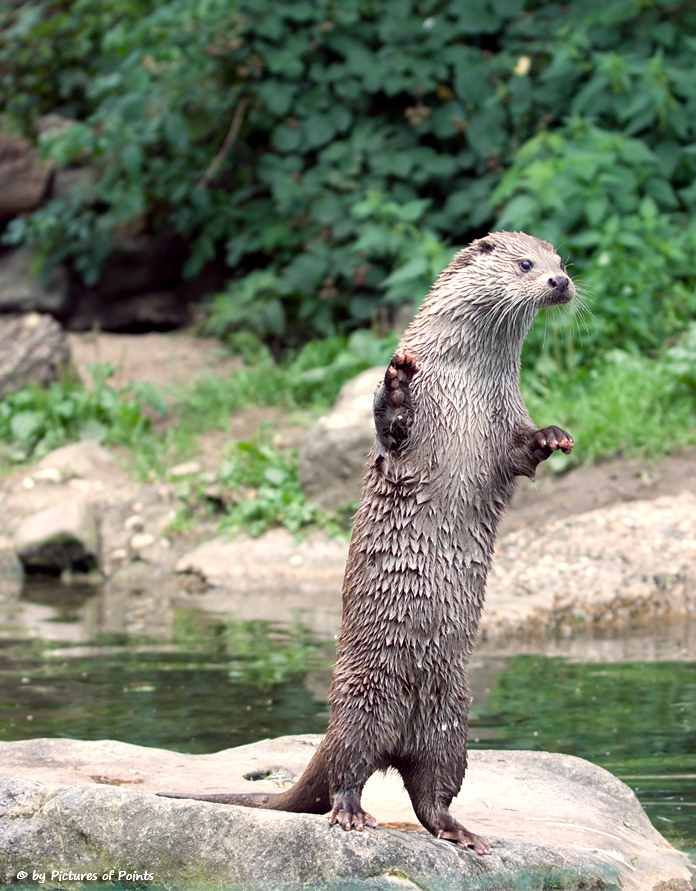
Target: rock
x=274, y=560
x=617, y=562
x=333, y=454
x=33, y=348
x=141, y=287
x=188, y=468
x=23, y=291
x=24, y=179
x=88, y=807
x=87, y=460
x=59, y=538
x=71, y=180
x=273, y=577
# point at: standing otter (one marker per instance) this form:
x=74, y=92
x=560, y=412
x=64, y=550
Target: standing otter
x=452, y=435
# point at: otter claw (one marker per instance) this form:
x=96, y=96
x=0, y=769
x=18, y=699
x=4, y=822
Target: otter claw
x=465, y=839
x=551, y=439
x=351, y=817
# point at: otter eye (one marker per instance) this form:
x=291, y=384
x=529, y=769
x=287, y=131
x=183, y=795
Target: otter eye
x=526, y=265
x=562, y=266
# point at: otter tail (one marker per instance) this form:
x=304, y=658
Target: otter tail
x=309, y=795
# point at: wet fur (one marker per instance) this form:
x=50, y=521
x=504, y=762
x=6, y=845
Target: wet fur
x=438, y=479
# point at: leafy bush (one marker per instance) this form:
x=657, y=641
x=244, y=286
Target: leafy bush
x=330, y=150
x=628, y=405
x=38, y=419
x=605, y=198
x=255, y=488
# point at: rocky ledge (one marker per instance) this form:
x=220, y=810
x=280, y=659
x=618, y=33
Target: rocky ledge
x=554, y=821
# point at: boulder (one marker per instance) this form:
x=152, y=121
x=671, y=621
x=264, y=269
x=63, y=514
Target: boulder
x=333, y=454
x=619, y=562
x=554, y=821
x=273, y=576
x=140, y=287
x=24, y=179
x=59, y=538
x=33, y=348
x=87, y=460
x=22, y=291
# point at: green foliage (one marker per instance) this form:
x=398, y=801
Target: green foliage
x=261, y=489
x=35, y=420
x=255, y=488
x=622, y=407
x=389, y=237
x=359, y=139
x=311, y=378
x=605, y=198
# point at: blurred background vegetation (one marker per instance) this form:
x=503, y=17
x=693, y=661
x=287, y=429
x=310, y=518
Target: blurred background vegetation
x=332, y=154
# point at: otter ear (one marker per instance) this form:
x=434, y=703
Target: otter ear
x=467, y=256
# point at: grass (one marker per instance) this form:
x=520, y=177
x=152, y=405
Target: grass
x=254, y=488
x=627, y=406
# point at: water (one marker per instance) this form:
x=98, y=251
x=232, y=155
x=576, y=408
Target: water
x=208, y=682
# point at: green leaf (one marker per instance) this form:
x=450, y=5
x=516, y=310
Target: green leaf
x=275, y=476
x=26, y=424
x=93, y=431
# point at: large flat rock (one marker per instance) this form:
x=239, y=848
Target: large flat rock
x=554, y=821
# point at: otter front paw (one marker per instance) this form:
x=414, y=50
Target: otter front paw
x=348, y=813
x=398, y=377
x=393, y=408
x=550, y=440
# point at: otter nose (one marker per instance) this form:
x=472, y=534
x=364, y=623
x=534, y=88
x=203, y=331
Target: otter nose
x=558, y=283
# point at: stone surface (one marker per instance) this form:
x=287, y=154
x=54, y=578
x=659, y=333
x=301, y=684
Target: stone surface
x=247, y=564
x=79, y=459
x=606, y=564
x=64, y=537
x=141, y=286
x=21, y=291
x=553, y=820
x=24, y=178
x=33, y=348
x=332, y=455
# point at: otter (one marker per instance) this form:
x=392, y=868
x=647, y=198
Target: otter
x=452, y=436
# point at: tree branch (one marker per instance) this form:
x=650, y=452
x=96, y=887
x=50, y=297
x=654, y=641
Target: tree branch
x=226, y=145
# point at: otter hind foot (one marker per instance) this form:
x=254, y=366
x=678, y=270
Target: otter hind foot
x=465, y=839
x=348, y=813
x=445, y=826
x=393, y=408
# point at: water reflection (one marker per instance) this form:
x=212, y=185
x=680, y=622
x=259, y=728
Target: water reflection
x=161, y=666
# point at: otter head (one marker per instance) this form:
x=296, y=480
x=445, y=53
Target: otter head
x=490, y=293
x=516, y=268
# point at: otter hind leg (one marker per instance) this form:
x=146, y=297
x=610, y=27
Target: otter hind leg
x=432, y=777
x=393, y=408
x=431, y=806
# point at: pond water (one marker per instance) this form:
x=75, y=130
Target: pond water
x=626, y=702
